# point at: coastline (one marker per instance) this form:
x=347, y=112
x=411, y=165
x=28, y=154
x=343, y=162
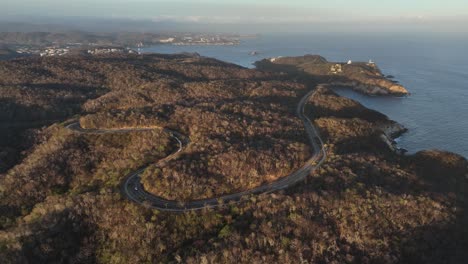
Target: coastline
x=436, y=81
x=389, y=129
x=373, y=84
x=392, y=133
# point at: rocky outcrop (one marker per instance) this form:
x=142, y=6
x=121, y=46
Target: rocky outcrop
x=390, y=131
x=370, y=88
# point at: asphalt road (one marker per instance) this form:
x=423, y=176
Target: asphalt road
x=135, y=191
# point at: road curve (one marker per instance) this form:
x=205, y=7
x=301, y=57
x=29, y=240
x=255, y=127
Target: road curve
x=134, y=190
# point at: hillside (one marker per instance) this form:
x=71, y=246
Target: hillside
x=60, y=191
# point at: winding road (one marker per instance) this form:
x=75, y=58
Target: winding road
x=134, y=190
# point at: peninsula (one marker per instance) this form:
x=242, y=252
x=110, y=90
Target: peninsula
x=364, y=77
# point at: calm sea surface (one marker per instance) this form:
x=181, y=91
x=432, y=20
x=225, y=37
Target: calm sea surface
x=434, y=68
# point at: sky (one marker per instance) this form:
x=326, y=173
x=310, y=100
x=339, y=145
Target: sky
x=397, y=14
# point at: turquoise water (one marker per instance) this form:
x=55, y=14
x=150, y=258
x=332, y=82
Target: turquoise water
x=434, y=68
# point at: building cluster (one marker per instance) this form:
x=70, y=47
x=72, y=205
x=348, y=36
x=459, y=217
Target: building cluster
x=48, y=52
x=61, y=51
x=168, y=40
x=55, y=50
x=204, y=40
x=371, y=63
x=27, y=50
x=337, y=68
x=97, y=51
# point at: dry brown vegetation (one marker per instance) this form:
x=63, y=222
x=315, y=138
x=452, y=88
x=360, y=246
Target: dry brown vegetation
x=62, y=201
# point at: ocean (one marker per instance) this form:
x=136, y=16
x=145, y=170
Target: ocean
x=433, y=67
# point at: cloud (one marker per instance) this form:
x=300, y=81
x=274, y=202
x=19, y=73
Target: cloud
x=241, y=16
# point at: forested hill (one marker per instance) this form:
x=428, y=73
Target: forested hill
x=60, y=191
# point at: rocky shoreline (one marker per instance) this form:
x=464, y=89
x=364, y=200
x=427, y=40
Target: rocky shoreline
x=374, y=89
x=365, y=78
x=329, y=103
x=391, y=133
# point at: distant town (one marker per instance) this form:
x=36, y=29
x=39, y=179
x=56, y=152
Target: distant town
x=73, y=49
x=201, y=40
x=57, y=44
